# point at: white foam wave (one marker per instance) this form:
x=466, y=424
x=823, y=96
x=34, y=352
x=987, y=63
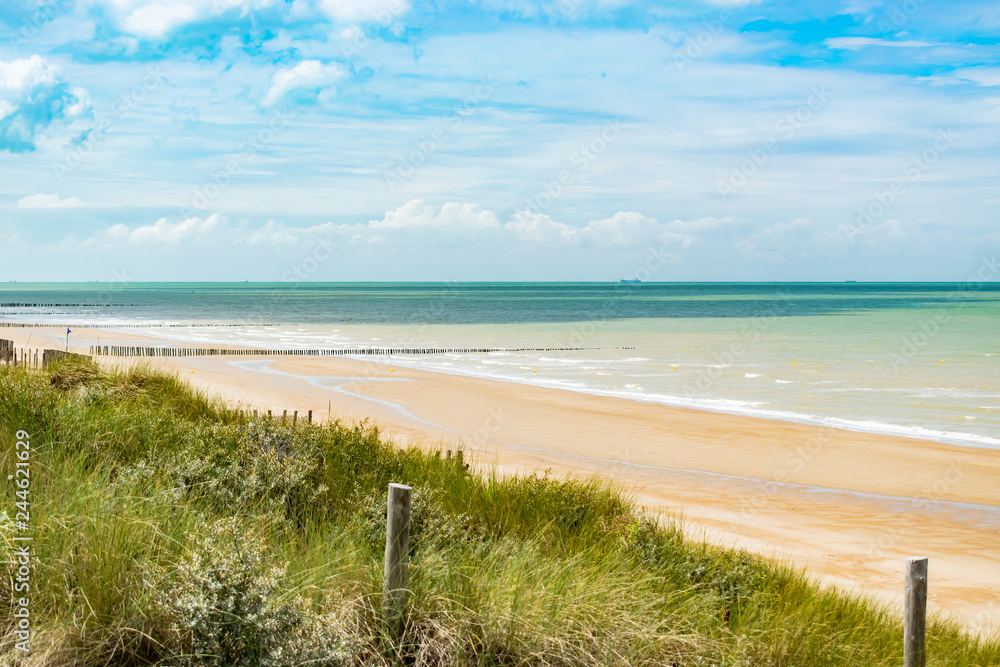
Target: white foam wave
x=519, y=369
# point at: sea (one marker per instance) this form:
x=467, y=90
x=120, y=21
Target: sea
x=912, y=359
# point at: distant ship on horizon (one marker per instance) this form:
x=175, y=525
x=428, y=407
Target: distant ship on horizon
x=631, y=280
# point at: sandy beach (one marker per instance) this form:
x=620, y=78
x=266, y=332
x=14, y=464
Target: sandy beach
x=848, y=507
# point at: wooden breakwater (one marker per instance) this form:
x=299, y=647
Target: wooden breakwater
x=11, y=356
x=152, y=325
x=29, y=358
x=136, y=351
x=51, y=356
x=68, y=305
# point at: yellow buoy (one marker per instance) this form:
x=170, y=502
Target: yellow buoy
x=391, y=370
x=192, y=371
x=534, y=371
x=942, y=361
x=675, y=368
x=794, y=363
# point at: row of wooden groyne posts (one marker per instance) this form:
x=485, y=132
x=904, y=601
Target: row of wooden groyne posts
x=133, y=351
x=150, y=325
x=7, y=304
x=13, y=356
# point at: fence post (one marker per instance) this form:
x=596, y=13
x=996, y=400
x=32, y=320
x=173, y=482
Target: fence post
x=915, y=613
x=397, y=550
x=310, y=417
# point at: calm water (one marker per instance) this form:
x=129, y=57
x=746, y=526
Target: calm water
x=860, y=356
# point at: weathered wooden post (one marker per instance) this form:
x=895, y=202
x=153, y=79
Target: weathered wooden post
x=397, y=554
x=295, y=418
x=309, y=418
x=284, y=416
x=915, y=613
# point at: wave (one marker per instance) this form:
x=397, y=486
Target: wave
x=749, y=408
x=521, y=371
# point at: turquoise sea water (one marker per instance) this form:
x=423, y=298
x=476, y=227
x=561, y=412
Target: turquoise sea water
x=856, y=355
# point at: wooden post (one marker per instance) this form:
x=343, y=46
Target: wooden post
x=284, y=416
x=461, y=458
x=310, y=417
x=295, y=418
x=915, y=613
x=397, y=553
x=448, y=454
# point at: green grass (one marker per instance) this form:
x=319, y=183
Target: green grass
x=172, y=530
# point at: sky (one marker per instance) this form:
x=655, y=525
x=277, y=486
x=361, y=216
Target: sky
x=491, y=140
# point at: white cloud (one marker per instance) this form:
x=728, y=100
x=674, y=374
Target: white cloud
x=48, y=201
x=624, y=229
x=308, y=79
x=78, y=104
x=419, y=214
x=163, y=231
x=858, y=43
x=33, y=96
x=570, y=10
x=539, y=228
x=155, y=19
x=213, y=228
x=355, y=11
x=22, y=76
x=274, y=233
x=981, y=76
x=984, y=76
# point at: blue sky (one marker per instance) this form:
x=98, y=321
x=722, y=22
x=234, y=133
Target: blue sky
x=498, y=140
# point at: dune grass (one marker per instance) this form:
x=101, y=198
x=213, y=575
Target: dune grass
x=172, y=530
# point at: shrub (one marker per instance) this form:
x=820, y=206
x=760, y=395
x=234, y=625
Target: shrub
x=224, y=607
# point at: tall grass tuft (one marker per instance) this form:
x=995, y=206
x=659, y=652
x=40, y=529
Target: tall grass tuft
x=172, y=530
